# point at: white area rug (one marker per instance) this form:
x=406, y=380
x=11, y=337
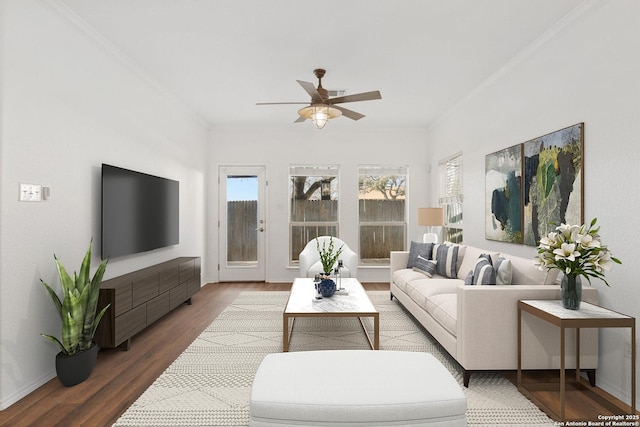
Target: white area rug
x=210, y=383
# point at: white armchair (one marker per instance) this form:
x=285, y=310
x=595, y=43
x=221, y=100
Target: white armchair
x=309, y=260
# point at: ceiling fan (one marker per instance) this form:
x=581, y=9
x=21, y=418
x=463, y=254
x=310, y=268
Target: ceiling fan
x=322, y=108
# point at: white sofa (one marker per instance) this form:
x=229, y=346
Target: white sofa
x=477, y=324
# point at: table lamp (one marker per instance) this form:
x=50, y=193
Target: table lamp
x=430, y=217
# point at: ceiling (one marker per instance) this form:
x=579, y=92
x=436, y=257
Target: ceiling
x=220, y=57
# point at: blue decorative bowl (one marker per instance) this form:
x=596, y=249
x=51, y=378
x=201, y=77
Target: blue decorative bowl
x=326, y=287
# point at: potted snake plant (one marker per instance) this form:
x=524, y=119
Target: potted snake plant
x=77, y=309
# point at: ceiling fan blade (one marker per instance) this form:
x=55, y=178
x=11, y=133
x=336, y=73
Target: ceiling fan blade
x=300, y=119
x=365, y=96
x=281, y=103
x=311, y=90
x=349, y=113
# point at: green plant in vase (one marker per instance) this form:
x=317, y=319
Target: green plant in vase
x=328, y=257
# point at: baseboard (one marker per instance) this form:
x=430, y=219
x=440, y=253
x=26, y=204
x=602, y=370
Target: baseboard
x=615, y=391
x=26, y=390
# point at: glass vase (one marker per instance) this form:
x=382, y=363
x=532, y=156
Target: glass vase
x=571, y=289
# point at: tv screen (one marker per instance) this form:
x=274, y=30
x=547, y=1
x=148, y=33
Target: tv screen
x=139, y=212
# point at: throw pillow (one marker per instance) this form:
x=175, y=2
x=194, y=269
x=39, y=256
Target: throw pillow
x=469, y=279
x=425, y=266
x=483, y=273
x=504, y=271
x=419, y=249
x=447, y=260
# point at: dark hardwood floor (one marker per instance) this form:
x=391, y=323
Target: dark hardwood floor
x=120, y=377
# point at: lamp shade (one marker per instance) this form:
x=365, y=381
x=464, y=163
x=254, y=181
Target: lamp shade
x=430, y=217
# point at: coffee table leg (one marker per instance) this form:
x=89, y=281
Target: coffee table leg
x=376, y=331
x=285, y=333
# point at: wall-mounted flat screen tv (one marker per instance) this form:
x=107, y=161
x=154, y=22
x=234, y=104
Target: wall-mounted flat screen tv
x=140, y=212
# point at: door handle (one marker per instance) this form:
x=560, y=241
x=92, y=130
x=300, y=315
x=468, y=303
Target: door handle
x=261, y=229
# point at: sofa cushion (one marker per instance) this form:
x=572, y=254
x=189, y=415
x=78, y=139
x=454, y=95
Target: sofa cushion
x=406, y=275
x=504, y=271
x=470, y=257
x=444, y=310
x=419, y=249
x=420, y=290
x=525, y=272
x=483, y=272
x=446, y=257
x=426, y=266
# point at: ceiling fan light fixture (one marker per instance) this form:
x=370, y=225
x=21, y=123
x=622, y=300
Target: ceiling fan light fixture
x=319, y=114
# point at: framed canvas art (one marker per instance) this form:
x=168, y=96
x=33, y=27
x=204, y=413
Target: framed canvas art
x=503, y=195
x=553, y=182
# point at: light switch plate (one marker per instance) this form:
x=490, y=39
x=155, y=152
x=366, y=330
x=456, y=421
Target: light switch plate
x=30, y=193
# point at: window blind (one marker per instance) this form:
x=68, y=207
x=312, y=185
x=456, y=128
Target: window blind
x=450, y=170
x=300, y=170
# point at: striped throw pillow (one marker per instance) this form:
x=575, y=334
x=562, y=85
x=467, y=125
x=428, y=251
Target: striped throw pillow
x=469, y=279
x=483, y=272
x=425, y=266
x=447, y=260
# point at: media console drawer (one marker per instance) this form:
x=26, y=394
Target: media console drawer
x=130, y=323
x=158, y=307
x=141, y=297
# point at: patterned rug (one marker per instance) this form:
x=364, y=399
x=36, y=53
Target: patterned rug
x=209, y=383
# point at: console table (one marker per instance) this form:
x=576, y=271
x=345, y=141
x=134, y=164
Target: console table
x=588, y=316
x=140, y=298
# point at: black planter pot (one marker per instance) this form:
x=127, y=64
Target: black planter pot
x=76, y=368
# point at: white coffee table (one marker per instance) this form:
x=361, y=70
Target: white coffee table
x=353, y=302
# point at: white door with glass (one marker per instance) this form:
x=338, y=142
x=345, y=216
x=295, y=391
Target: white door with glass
x=242, y=226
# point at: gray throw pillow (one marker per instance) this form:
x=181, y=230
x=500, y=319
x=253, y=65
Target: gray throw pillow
x=419, y=249
x=469, y=279
x=426, y=266
x=447, y=258
x=483, y=272
x=504, y=271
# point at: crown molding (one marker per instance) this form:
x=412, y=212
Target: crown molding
x=99, y=40
x=580, y=12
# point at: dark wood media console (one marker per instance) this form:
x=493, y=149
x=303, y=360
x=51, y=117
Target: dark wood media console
x=140, y=298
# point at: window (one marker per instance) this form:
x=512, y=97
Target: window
x=313, y=195
x=381, y=214
x=450, y=171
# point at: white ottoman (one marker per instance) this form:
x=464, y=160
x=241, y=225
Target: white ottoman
x=355, y=388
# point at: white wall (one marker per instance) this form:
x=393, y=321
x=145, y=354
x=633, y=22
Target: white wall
x=302, y=144
x=587, y=72
x=69, y=103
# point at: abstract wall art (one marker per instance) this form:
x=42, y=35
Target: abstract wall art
x=503, y=195
x=553, y=182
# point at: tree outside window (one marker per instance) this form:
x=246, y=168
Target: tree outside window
x=313, y=205
x=381, y=213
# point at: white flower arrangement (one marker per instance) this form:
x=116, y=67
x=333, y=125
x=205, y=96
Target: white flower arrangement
x=576, y=250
